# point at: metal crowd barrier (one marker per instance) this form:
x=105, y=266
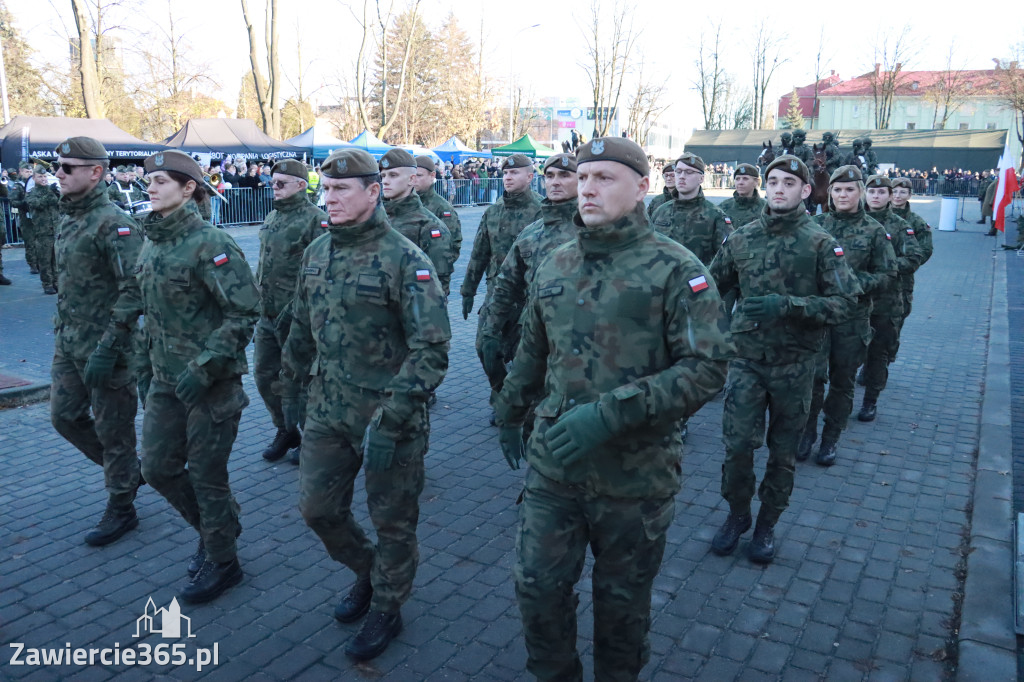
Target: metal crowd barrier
x=12, y=231
x=244, y=206
x=478, y=191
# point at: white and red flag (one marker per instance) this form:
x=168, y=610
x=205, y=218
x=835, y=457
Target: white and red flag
x=1007, y=179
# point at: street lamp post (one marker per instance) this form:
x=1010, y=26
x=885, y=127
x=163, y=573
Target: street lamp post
x=511, y=65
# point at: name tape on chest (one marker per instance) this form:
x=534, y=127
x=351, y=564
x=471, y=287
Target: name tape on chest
x=423, y=275
x=311, y=270
x=435, y=234
x=220, y=260
x=698, y=284
x=838, y=250
x=124, y=231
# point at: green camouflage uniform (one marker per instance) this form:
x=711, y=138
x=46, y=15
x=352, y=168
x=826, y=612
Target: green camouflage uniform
x=284, y=235
x=695, y=223
x=371, y=330
x=833, y=157
x=786, y=254
x=439, y=206
x=923, y=234
x=201, y=303
x=742, y=210
x=96, y=249
x=43, y=202
x=18, y=194
x=668, y=194
x=801, y=150
x=500, y=225
x=414, y=222
x=123, y=195
x=869, y=254
x=3, y=232
x=626, y=318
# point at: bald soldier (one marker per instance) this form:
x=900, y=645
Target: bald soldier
x=746, y=203
x=437, y=204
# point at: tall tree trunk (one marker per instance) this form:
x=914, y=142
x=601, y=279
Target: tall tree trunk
x=87, y=64
x=275, y=75
x=266, y=115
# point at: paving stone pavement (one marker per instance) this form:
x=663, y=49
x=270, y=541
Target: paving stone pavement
x=862, y=588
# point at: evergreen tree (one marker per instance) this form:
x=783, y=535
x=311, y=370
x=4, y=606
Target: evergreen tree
x=794, y=119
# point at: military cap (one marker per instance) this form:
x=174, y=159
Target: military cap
x=747, y=169
x=790, y=164
x=41, y=169
x=691, y=160
x=349, y=163
x=397, y=158
x=425, y=162
x=12, y=171
x=292, y=167
x=566, y=162
x=176, y=161
x=517, y=161
x=618, y=149
x=82, y=148
x=24, y=164
x=903, y=182
x=669, y=168
x=121, y=169
x=846, y=174
x=878, y=181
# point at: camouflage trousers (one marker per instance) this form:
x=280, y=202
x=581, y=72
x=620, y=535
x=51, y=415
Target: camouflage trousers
x=881, y=353
x=200, y=436
x=267, y=367
x=107, y=436
x=752, y=388
x=28, y=238
x=908, y=301
x=329, y=463
x=46, y=258
x=627, y=537
x=846, y=346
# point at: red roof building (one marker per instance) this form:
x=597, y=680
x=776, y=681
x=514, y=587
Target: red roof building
x=808, y=105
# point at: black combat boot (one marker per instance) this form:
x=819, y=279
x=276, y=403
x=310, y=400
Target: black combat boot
x=49, y=290
x=761, y=549
x=375, y=635
x=197, y=560
x=4, y=281
x=116, y=522
x=211, y=580
x=142, y=479
x=826, y=456
x=283, y=442
x=806, y=443
x=867, y=411
x=356, y=603
x=728, y=536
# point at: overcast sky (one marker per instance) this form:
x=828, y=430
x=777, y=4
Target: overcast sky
x=547, y=58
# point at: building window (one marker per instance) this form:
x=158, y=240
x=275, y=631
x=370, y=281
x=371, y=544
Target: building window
x=964, y=126
x=915, y=85
x=911, y=126
x=856, y=110
x=990, y=126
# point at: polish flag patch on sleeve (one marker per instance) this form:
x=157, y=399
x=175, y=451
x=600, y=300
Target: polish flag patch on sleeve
x=447, y=214
x=323, y=224
x=435, y=234
x=220, y=260
x=423, y=275
x=888, y=236
x=728, y=220
x=698, y=284
x=910, y=230
x=124, y=231
x=838, y=250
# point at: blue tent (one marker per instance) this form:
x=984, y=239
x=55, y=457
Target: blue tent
x=368, y=141
x=318, y=141
x=455, y=151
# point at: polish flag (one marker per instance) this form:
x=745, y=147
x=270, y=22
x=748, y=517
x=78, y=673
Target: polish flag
x=1007, y=180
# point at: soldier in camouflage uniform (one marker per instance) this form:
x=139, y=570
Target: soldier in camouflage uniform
x=668, y=192
x=123, y=192
x=624, y=334
x=869, y=254
x=18, y=192
x=856, y=156
x=887, y=313
x=833, y=157
x=437, y=204
x=793, y=281
x=370, y=327
x=407, y=214
x=96, y=249
x=4, y=281
x=691, y=219
x=746, y=203
x=902, y=189
x=870, y=157
x=787, y=144
x=284, y=235
x=43, y=201
x=800, y=149
x=201, y=304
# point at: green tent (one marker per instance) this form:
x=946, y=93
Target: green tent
x=525, y=145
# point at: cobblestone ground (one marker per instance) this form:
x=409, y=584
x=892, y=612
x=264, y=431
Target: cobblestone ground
x=862, y=588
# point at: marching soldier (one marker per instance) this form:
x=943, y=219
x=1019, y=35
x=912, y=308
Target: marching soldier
x=746, y=202
x=902, y=189
x=437, y=204
x=18, y=192
x=42, y=201
x=668, y=192
x=691, y=219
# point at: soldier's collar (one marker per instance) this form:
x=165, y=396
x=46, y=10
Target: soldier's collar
x=294, y=201
x=97, y=196
x=614, y=236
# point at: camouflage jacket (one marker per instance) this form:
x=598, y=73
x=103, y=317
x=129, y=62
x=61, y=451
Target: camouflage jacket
x=199, y=297
x=500, y=225
x=922, y=231
x=867, y=251
x=124, y=195
x=804, y=153
x=44, y=205
x=508, y=291
x=742, y=210
x=909, y=257
x=668, y=194
x=626, y=318
x=370, y=328
x=96, y=249
x=425, y=230
x=439, y=206
x=787, y=254
x=833, y=157
x=16, y=192
x=695, y=223
x=284, y=235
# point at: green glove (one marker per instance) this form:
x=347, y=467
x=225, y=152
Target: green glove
x=511, y=439
x=763, y=308
x=291, y=409
x=191, y=387
x=467, y=306
x=143, y=381
x=100, y=367
x=283, y=324
x=378, y=450
x=491, y=358
x=576, y=432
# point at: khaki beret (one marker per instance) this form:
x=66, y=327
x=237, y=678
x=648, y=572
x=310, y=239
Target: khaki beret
x=41, y=169
x=669, y=168
x=846, y=174
x=425, y=162
x=173, y=160
x=349, y=163
x=903, y=182
x=517, y=161
x=878, y=181
x=691, y=160
x=292, y=167
x=619, y=149
x=566, y=162
x=789, y=164
x=747, y=169
x=397, y=158
x=24, y=164
x=82, y=148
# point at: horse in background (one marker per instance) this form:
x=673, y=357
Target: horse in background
x=766, y=156
x=819, y=181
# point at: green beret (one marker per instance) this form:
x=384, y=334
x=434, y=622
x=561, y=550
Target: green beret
x=40, y=168
x=669, y=168
x=425, y=162
x=397, y=158
x=691, y=160
x=349, y=163
x=292, y=167
x=121, y=169
x=82, y=148
x=176, y=161
x=846, y=174
x=619, y=149
x=790, y=164
x=878, y=181
x=903, y=182
x=747, y=169
x=566, y=162
x=517, y=161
